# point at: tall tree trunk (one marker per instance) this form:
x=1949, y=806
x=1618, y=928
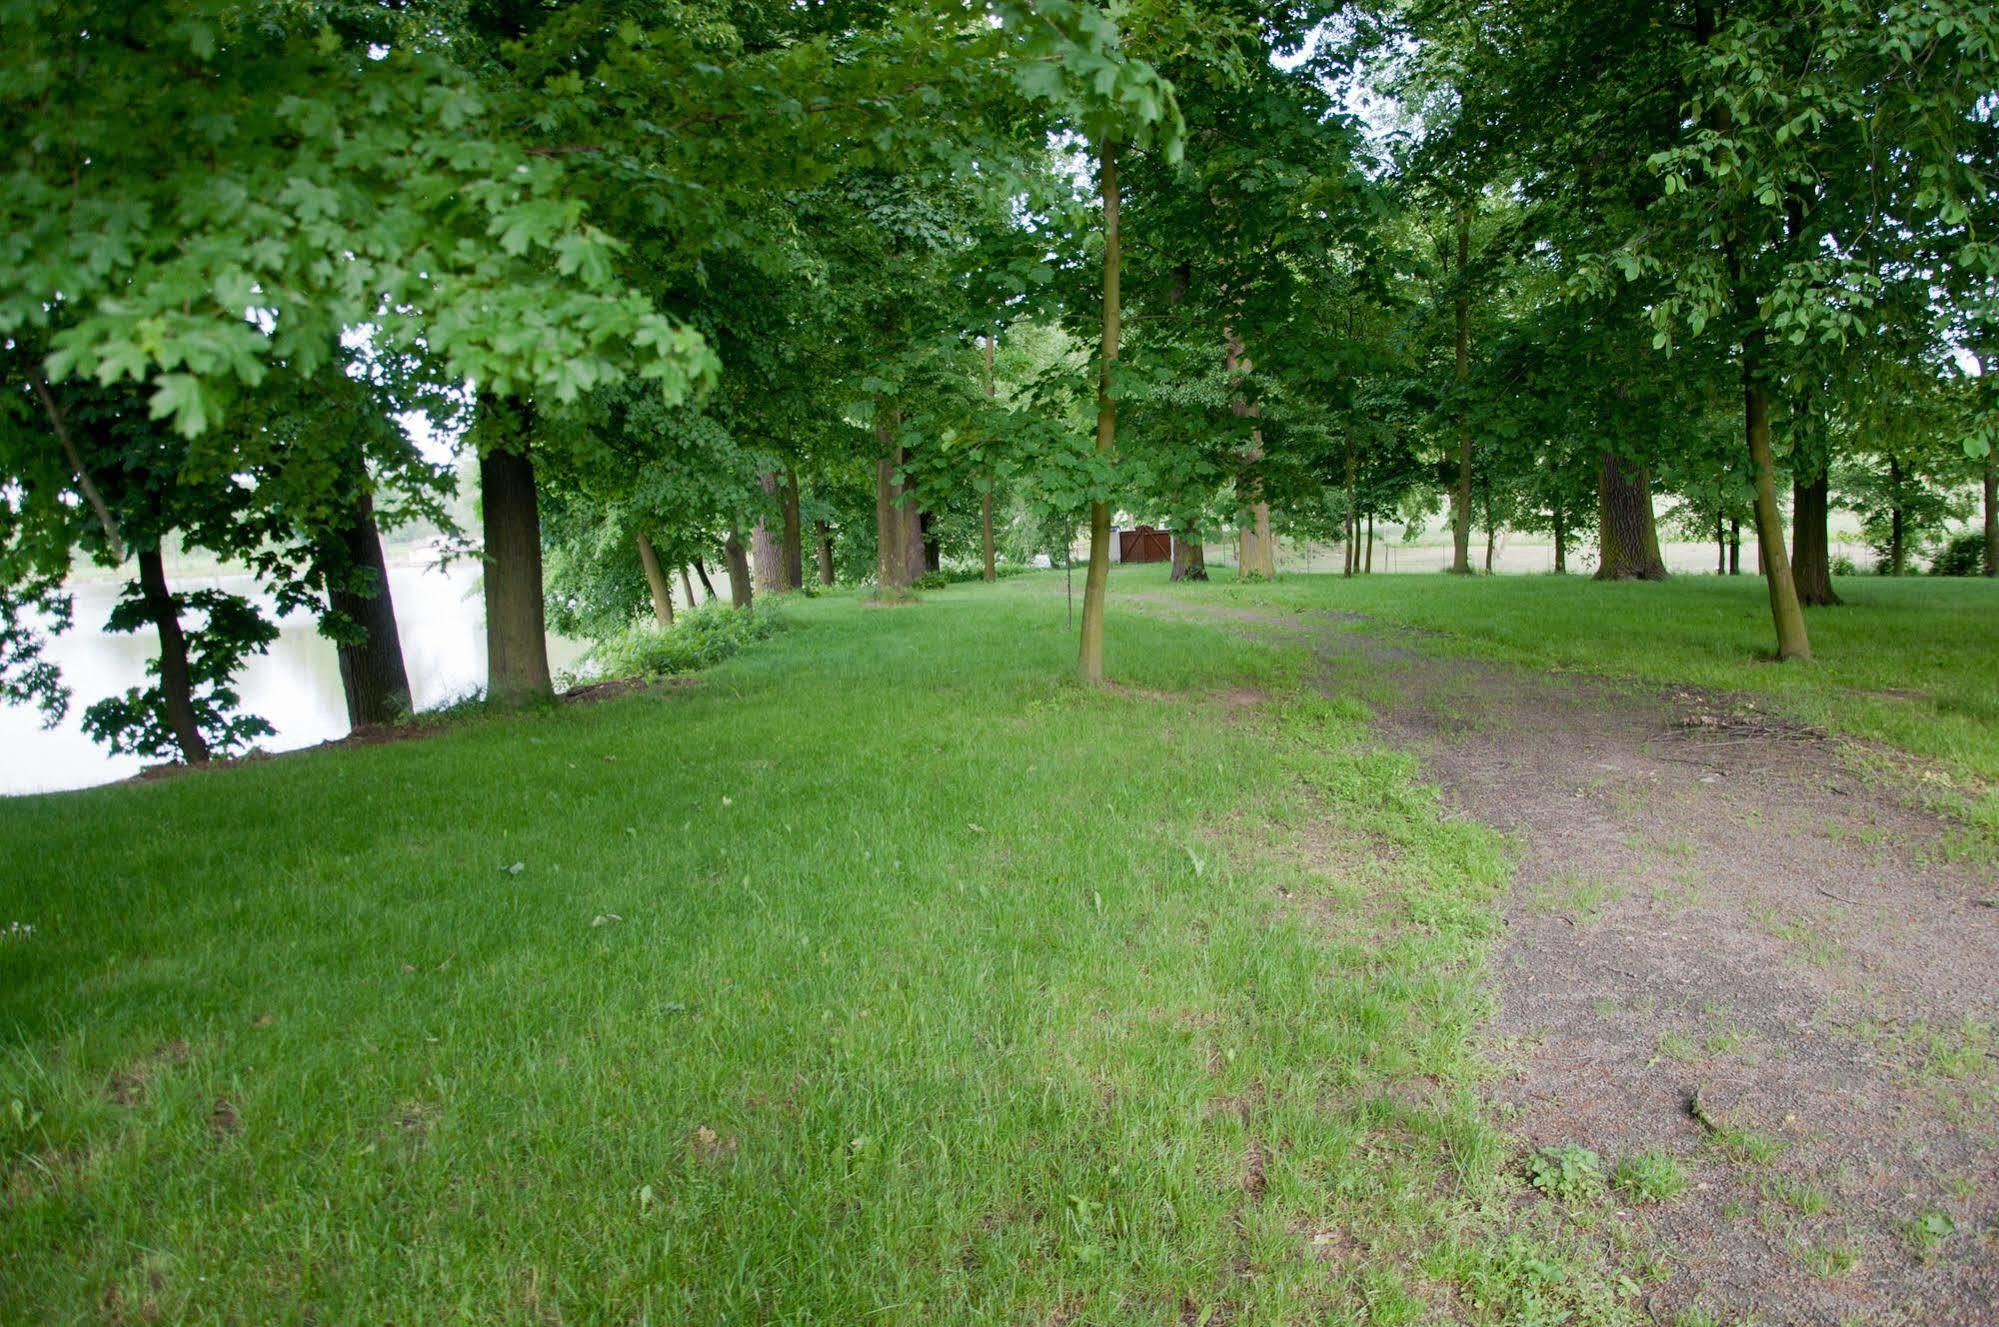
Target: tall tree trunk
x=1353, y=517
x=1628, y=531
x=1096, y=585
x=825, y=542
x=1190, y=557
x=687, y=586
x=1461, y=498
x=741, y=587
x=701, y=570
x=1785, y=612
x=1811, y=541
x=1720, y=543
x=1369, y=568
x=793, y=544
x=1561, y=540
x=1735, y=546
x=373, y=676
x=516, y=633
x=1992, y=512
x=176, y=681
x=656, y=581
x=991, y=568
x=1257, y=554
x=1898, y=548
x=766, y=554
x=891, y=543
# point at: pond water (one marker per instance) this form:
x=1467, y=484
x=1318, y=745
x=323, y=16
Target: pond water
x=296, y=686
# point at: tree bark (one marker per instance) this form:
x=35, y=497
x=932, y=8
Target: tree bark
x=1190, y=557
x=741, y=587
x=825, y=541
x=766, y=554
x=1352, y=563
x=1561, y=541
x=373, y=676
x=792, y=544
x=1461, y=499
x=701, y=570
x=1628, y=531
x=1734, y=546
x=1090, y=649
x=176, y=680
x=1811, y=541
x=516, y=633
x=656, y=582
x=1785, y=612
x=1720, y=543
x=687, y=587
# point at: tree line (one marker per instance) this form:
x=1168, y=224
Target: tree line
x=834, y=291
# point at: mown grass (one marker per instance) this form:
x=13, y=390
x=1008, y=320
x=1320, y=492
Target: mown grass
x=1912, y=662
x=881, y=976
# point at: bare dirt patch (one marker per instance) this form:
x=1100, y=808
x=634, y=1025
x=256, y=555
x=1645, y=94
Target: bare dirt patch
x=1712, y=899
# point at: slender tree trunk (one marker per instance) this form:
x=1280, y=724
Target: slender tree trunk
x=1785, y=612
x=687, y=587
x=176, y=680
x=1190, y=558
x=741, y=587
x=373, y=676
x=1734, y=546
x=825, y=542
x=1491, y=539
x=1992, y=512
x=1720, y=543
x=793, y=545
x=1369, y=568
x=1898, y=551
x=656, y=581
x=1811, y=541
x=764, y=551
x=1353, y=517
x=1090, y=651
x=1628, y=531
x=1461, y=498
x=701, y=570
x=516, y=633
x=1561, y=541
x=1257, y=554
x=986, y=498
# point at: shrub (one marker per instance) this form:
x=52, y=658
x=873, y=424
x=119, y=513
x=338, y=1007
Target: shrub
x=1962, y=554
x=699, y=638
x=1842, y=565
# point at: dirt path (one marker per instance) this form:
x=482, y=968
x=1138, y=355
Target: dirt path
x=1712, y=899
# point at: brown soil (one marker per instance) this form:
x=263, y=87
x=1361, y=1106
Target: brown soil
x=1712, y=899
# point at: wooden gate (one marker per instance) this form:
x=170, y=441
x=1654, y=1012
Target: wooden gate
x=1145, y=544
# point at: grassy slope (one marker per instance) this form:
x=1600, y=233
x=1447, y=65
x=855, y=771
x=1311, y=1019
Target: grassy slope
x=1913, y=663
x=943, y=991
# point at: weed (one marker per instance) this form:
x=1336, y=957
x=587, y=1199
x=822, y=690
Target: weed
x=1651, y=1177
x=1569, y=1172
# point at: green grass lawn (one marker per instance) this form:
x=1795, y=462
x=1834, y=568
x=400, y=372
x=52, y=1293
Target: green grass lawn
x=882, y=976
x=1913, y=662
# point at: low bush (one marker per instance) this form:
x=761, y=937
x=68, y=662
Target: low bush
x=699, y=638
x=1963, y=554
